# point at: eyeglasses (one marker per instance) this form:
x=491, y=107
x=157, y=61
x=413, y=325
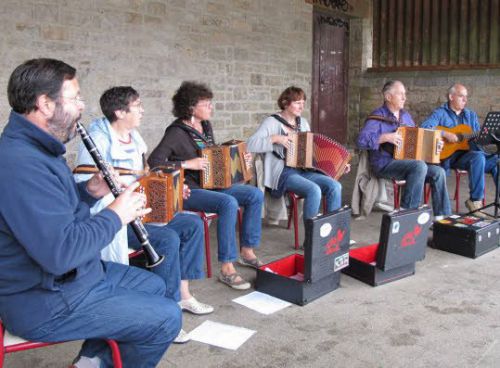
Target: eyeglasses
x=77, y=99
x=137, y=105
x=205, y=104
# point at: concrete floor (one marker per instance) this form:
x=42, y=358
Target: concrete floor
x=443, y=316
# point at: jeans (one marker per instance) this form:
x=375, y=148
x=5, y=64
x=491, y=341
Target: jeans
x=128, y=305
x=476, y=163
x=181, y=242
x=416, y=173
x=312, y=185
x=225, y=203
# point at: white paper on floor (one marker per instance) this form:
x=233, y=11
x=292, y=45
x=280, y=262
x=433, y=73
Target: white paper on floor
x=221, y=335
x=262, y=303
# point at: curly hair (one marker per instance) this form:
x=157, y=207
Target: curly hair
x=187, y=96
x=117, y=98
x=290, y=95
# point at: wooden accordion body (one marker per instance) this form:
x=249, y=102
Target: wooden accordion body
x=163, y=187
x=418, y=144
x=226, y=165
x=316, y=151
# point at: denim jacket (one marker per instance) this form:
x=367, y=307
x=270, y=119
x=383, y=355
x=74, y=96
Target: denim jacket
x=109, y=147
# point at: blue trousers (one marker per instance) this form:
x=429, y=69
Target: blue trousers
x=128, y=305
x=312, y=186
x=225, y=202
x=416, y=173
x=476, y=163
x=181, y=242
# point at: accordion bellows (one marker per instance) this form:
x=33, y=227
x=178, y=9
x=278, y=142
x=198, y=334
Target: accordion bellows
x=418, y=144
x=163, y=188
x=226, y=165
x=316, y=151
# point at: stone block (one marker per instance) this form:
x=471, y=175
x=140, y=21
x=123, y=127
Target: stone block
x=46, y=13
x=256, y=79
x=156, y=8
x=54, y=33
x=240, y=119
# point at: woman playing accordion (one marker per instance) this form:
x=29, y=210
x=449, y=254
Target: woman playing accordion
x=189, y=133
x=272, y=138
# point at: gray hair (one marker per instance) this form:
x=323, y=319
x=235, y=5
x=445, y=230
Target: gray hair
x=388, y=87
x=451, y=90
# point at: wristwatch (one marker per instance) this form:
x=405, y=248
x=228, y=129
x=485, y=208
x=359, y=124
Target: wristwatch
x=183, y=164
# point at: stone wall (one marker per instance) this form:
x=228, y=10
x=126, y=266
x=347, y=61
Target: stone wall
x=246, y=50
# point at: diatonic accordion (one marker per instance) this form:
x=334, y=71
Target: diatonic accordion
x=226, y=165
x=418, y=144
x=163, y=187
x=316, y=151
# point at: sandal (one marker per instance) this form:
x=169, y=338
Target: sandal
x=230, y=280
x=254, y=263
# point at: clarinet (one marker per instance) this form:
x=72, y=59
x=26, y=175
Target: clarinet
x=152, y=258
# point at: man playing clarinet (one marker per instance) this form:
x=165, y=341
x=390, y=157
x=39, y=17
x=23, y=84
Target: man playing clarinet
x=53, y=285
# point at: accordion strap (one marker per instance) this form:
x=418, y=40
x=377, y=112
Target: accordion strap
x=385, y=119
x=286, y=123
x=206, y=136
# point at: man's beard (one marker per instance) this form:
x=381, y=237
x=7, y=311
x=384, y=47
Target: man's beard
x=63, y=124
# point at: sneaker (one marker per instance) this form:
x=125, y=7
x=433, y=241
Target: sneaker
x=474, y=206
x=254, y=263
x=194, y=306
x=230, y=280
x=182, y=337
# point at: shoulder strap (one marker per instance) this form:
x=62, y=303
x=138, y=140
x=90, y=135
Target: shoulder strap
x=382, y=118
x=286, y=123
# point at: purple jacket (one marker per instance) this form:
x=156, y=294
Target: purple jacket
x=381, y=155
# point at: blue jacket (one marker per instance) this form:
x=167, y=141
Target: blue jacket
x=49, y=244
x=444, y=116
x=107, y=142
x=380, y=155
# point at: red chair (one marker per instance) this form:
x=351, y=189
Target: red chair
x=206, y=218
x=293, y=213
x=456, y=196
x=13, y=344
x=397, y=184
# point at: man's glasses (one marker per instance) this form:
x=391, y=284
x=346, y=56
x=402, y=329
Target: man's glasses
x=77, y=99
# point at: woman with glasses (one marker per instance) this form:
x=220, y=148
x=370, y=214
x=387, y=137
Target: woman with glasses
x=191, y=131
x=271, y=138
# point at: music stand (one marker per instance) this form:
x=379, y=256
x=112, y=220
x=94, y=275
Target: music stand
x=490, y=134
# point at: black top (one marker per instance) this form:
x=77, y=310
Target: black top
x=181, y=143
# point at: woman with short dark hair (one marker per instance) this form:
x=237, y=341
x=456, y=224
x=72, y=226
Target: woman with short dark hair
x=271, y=138
x=190, y=132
